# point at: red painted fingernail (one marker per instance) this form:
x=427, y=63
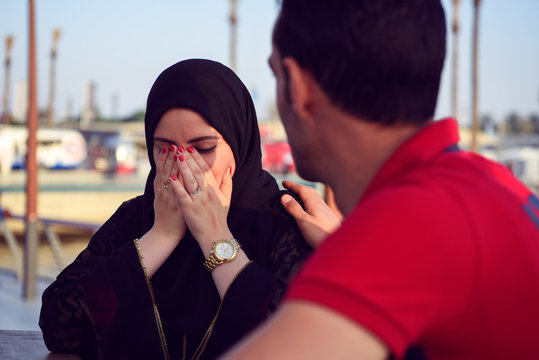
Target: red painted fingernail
x=178, y=174
x=173, y=177
x=175, y=157
x=181, y=148
x=230, y=169
x=164, y=150
x=180, y=157
x=190, y=149
x=172, y=148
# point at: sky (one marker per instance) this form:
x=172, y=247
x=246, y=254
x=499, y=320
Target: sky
x=123, y=45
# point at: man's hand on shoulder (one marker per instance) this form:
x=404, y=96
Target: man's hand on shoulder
x=317, y=220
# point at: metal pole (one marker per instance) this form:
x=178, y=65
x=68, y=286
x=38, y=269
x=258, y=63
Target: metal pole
x=455, y=75
x=9, y=44
x=68, y=109
x=233, y=36
x=31, y=234
x=88, y=111
x=475, y=46
x=52, y=78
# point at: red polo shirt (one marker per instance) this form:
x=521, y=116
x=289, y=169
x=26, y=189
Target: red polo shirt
x=441, y=252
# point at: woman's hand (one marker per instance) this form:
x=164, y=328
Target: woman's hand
x=204, y=203
x=317, y=221
x=205, y=208
x=169, y=224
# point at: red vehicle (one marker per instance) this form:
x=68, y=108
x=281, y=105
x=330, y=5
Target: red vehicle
x=277, y=157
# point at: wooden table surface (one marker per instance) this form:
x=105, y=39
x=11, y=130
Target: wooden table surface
x=27, y=345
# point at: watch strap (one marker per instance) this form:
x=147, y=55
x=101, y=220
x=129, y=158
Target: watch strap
x=212, y=261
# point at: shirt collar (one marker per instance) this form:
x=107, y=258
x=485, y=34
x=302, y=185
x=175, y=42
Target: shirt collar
x=433, y=139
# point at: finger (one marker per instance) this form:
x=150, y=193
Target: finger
x=175, y=173
x=292, y=186
x=181, y=193
x=168, y=164
x=293, y=207
x=160, y=161
x=226, y=184
x=195, y=168
x=303, y=191
x=176, y=170
x=201, y=163
x=189, y=181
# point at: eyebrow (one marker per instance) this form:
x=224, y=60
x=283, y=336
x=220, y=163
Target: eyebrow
x=157, y=138
x=202, y=138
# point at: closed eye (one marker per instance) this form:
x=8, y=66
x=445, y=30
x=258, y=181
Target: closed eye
x=206, y=150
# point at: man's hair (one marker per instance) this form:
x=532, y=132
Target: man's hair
x=380, y=60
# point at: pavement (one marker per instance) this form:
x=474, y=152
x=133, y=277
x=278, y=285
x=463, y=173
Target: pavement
x=16, y=313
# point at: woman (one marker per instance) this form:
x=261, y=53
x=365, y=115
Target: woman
x=106, y=305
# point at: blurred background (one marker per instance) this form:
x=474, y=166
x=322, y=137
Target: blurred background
x=96, y=61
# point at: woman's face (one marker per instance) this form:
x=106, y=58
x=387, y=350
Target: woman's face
x=184, y=127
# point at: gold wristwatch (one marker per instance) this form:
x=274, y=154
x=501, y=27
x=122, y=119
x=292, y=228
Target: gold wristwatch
x=222, y=252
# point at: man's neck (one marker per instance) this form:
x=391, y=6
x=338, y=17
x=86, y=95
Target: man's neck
x=356, y=150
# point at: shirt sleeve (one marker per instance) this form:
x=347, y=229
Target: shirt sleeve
x=398, y=266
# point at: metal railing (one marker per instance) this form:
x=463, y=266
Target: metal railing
x=48, y=227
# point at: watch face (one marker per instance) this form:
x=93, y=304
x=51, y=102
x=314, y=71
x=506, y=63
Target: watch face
x=224, y=250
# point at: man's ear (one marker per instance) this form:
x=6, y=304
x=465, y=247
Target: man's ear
x=299, y=87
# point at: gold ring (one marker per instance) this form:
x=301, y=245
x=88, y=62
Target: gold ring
x=165, y=185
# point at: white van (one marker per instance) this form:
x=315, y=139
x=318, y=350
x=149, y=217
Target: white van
x=57, y=148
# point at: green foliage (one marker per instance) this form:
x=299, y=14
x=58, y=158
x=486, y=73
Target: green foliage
x=136, y=116
x=515, y=124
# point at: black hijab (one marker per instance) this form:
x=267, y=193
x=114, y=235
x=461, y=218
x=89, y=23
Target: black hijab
x=184, y=290
x=215, y=92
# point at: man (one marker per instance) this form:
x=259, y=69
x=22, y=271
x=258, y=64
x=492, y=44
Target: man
x=440, y=247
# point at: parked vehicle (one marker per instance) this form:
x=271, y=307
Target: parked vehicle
x=523, y=162
x=277, y=157
x=56, y=149
x=123, y=152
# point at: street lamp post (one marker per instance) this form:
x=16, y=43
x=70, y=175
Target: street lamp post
x=454, y=82
x=475, y=76
x=52, y=77
x=9, y=44
x=233, y=31
x=31, y=234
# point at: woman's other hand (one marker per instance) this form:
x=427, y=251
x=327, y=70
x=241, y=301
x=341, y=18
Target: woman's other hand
x=317, y=220
x=169, y=224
